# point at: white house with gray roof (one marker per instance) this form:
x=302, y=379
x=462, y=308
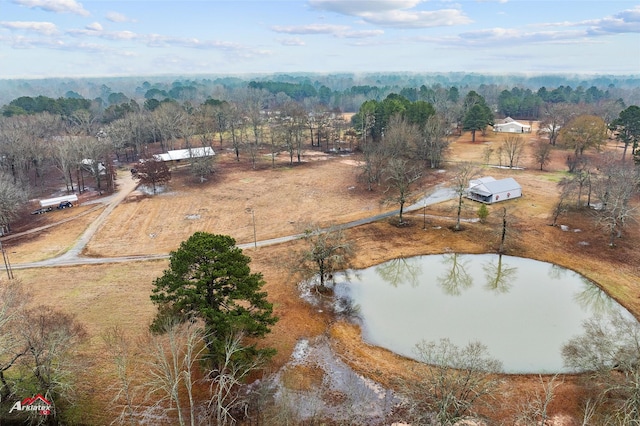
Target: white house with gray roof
x=509, y=125
x=489, y=190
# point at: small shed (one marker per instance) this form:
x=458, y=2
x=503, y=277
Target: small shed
x=509, y=125
x=489, y=190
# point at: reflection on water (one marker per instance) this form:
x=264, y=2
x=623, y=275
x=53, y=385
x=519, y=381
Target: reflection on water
x=400, y=271
x=455, y=278
x=499, y=275
x=522, y=310
x=594, y=298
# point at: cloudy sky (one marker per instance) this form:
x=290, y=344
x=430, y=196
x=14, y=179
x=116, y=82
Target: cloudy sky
x=40, y=38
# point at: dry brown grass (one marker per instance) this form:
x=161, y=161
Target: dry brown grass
x=284, y=199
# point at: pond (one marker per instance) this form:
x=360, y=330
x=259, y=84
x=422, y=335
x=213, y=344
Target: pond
x=523, y=310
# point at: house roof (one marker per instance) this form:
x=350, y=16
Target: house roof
x=511, y=124
x=478, y=181
x=183, y=154
x=496, y=186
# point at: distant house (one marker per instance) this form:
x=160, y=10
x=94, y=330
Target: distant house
x=489, y=190
x=90, y=165
x=509, y=125
x=185, y=154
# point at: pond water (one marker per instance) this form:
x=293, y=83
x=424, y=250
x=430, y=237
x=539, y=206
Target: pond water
x=523, y=310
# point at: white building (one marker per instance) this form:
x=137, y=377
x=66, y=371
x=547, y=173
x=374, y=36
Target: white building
x=185, y=154
x=509, y=125
x=488, y=190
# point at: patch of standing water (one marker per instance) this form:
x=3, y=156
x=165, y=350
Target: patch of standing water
x=523, y=310
x=342, y=394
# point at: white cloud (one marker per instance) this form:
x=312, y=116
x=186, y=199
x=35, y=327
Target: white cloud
x=503, y=37
x=46, y=28
x=357, y=8
x=57, y=6
x=30, y=43
x=310, y=29
x=341, y=31
x=95, y=26
x=627, y=21
x=118, y=17
x=394, y=13
x=416, y=19
x=96, y=30
x=565, y=32
x=361, y=34
x=291, y=42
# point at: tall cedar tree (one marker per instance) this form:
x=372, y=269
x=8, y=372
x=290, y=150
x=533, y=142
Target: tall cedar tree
x=477, y=118
x=209, y=278
x=627, y=128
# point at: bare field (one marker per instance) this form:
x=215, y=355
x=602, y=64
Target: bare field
x=283, y=200
x=322, y=189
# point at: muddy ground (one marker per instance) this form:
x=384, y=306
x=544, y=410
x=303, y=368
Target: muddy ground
x=285, y=200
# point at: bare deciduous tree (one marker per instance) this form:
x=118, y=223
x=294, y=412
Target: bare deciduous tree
x=226, y=382
x=401, y=170
x=535, y=411
x=174, y=359
x=12, y=305
x=12, y=198
x=542, y=153
x=122, y=353
x=455, y=382
x=512, y=148
x=566, y=189
x=51, y=338
x=372, y=168
x=328, y=251
x=436, y=135
x=614, y=188
x=608, y=353
x=94, y=152
x=400, y=175
x=553, y=117
x=463, y=173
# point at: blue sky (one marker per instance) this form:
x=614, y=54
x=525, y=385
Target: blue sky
x=64, y=38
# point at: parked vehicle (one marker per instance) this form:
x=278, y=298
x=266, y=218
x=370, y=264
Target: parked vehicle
x=64, y=205
x=42, y=210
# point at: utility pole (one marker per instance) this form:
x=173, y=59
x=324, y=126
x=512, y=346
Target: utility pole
x=7, y=265
x=253, y=217
x=424, y=216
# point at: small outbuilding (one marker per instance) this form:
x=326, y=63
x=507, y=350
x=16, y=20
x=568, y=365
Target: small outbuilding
x=509, y=125
x=489, y=190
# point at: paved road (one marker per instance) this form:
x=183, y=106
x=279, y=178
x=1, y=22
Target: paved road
x=127, y=185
